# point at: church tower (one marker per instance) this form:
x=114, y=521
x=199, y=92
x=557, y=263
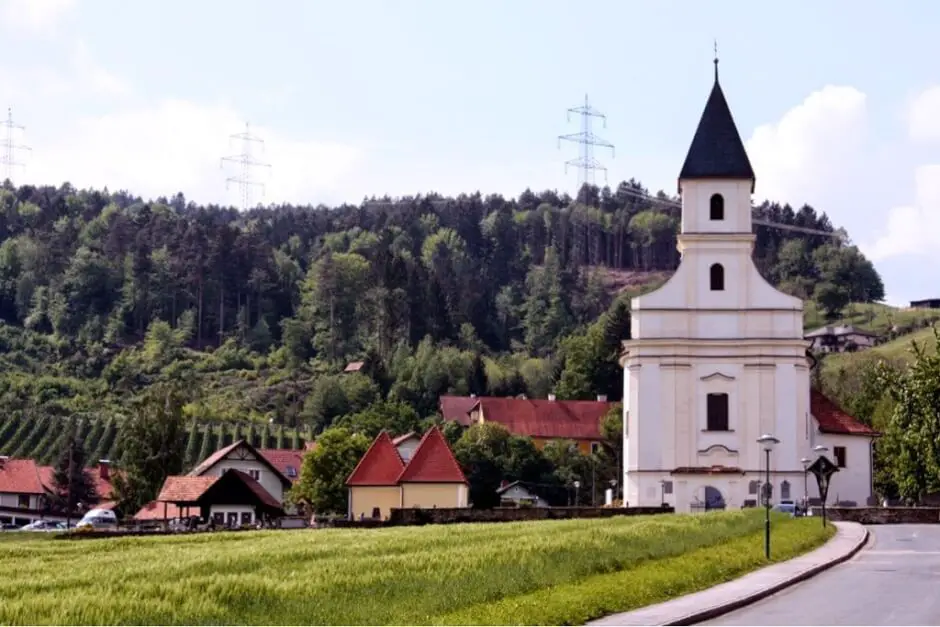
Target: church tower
x=717, y=355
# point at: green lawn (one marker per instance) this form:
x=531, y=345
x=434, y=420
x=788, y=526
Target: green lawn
x=553, y=572
x=897, y=350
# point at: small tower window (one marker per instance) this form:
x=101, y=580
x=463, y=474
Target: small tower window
x=716, y=277
x=716, y=207
x=716, y=411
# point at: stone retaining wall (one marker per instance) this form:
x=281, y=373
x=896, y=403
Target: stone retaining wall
x=882, y=515
x=440, y=516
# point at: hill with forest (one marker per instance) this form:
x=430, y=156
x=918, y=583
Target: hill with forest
x=257, y=314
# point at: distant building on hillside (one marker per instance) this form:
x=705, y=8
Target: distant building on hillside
x=543, y=420
x=840, y=339
x=927, y=303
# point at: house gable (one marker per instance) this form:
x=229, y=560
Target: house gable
x=432, y=462
x=380, y=466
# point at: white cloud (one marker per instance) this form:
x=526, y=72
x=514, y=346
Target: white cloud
x=37, y=16
x=814, y=151
x=80, y=75
x=913, y=229
x=177, y=146
x=923, y=116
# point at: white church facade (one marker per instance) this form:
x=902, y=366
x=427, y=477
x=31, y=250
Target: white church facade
x=717, y=359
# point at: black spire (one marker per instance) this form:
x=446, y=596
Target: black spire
x=717, y=151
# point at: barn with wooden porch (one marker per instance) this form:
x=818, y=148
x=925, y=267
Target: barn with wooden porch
x=231, y=499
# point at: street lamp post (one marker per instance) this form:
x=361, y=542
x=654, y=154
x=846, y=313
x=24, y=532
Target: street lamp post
x=662, y=492
x=767, y=442
x=806, y=461
x=577, y=487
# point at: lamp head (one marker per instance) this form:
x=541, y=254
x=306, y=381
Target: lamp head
x=577, y=484
x=767, y=442
x=819, y=449
x=806, y=461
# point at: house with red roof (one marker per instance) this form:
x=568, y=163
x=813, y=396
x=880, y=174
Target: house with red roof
x=543, y=420
x=383, y=481
x=25, y=488
x=270, y=470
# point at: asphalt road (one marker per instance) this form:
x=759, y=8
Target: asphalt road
x=894, y=580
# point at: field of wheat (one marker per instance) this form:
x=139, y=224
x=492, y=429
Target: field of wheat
x=551, y=572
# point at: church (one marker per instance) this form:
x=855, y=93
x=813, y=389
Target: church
x=717, y=359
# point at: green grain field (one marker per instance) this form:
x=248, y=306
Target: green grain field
x=553, y=572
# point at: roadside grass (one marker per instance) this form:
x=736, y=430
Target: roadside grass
x=554, y=572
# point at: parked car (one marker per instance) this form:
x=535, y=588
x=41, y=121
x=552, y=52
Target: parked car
x=787, y=507
x=44, y=525
x=98, y=519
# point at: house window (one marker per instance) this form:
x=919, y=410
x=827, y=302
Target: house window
x=291, y=472
x=839, y=452
x=752, y=487
x=23, y=501
x=246, y=518
x=667, y=487
x=716, y=207
x=255, y=474
x=595, y=447
x=717, y=412
x=785, y=490
x=716, y=277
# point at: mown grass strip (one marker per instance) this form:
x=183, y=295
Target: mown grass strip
x=647, y=584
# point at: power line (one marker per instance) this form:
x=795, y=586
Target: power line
x=246, y=162
x=8, y=159
x=586, y=163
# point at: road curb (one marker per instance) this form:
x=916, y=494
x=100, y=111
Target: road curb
x=725, y=608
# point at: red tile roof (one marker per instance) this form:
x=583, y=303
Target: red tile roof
x=155, y=511
x=380, y=466
x=539, y=418
x=103, y=485
x=432, y=462
x=831, y=418
x=20, y=476
x=457, y=408
x=284, y=459
x=222, y=453
x=185, y=489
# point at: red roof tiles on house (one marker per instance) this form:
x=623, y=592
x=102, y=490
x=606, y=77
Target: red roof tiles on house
x=286, y=460
x=457, y=408
x=99, y=475
x=155, y=511
x=380, y=466
x=831, y=418
x=185, y=489
x=222, y=453
x=432, y=462
x=20, y=476
x=538, y=418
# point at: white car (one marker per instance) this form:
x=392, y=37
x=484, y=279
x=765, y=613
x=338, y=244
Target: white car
x=98, y=519
x=44, y=525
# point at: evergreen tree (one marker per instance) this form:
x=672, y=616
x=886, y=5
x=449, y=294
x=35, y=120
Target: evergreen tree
x=73, y=486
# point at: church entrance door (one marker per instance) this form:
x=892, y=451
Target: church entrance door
x=713, y=499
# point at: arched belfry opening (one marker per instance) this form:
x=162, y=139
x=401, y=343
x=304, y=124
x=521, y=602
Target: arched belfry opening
x=716, y=207
x=716, y=277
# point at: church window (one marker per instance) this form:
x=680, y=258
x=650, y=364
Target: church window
x=785, y=490
x=716, y=277
x=717, y=412
x=716, y=207
x=839, y=452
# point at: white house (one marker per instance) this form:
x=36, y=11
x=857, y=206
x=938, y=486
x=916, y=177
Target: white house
x=717, y=357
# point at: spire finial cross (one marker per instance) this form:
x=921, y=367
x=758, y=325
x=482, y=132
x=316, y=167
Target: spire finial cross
x=716, y=60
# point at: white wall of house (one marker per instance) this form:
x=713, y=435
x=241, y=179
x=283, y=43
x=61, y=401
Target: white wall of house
x=241, y=511
x=853, y=482
x=255, y=468
x=29, y=501
x=518, y=493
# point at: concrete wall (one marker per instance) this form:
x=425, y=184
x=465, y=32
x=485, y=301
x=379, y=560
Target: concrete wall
x=362, y=500
x=513, y=514
x=882, y=515
x=431, y=495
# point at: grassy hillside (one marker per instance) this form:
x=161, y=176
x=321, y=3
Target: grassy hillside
x=536, y=573
x=897, y=350
x=874, y=317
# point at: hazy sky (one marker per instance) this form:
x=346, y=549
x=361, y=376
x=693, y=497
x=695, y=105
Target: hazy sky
x=839, y=101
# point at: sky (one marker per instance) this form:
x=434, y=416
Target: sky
x=838, y=102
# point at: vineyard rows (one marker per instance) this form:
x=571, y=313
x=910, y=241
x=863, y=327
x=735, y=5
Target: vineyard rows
x=41, y=439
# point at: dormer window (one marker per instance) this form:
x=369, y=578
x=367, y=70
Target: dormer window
x=716, y=277
x=716, y=207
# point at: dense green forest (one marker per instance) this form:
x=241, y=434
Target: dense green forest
x=257, y=314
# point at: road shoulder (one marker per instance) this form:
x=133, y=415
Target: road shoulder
x=727, y=597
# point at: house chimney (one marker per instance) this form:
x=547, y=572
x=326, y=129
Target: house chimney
x=551, y=397
x=601, y=398
x=104, y=469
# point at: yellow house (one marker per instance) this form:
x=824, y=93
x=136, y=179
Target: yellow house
x=383, y=481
